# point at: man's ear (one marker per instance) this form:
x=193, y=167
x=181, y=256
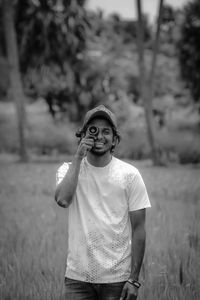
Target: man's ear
x=114, y=142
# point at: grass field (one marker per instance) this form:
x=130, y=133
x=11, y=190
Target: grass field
x=33, y=233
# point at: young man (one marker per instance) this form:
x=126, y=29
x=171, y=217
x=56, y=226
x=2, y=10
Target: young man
x=106, y=199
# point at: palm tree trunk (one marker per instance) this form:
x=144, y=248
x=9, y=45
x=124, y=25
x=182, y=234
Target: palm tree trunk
x=147, y=82
x=156, y=155
x=155, y=51
x=143, y=81
x=15, y=78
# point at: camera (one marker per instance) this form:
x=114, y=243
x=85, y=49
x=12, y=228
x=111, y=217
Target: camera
x=93, y=132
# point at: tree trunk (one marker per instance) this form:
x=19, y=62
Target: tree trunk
x=143, y=82
x=151, y=80
x=147, y=82
x=155, y=53
x=156, y=48
x=15, y=78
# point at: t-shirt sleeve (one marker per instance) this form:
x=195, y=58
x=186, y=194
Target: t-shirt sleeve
x=138, y=197
x=60, y=174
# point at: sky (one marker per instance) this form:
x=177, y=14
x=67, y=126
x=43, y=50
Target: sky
x=126, y=8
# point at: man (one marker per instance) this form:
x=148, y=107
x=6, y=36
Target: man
x=106, y=199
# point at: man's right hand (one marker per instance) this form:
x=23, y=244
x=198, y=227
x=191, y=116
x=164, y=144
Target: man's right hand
x=84, y=146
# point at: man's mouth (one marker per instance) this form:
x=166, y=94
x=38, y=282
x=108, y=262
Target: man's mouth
x=98, y=144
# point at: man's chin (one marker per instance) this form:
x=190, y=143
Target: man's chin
x=98, y=152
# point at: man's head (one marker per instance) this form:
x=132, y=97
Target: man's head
x=100, y=118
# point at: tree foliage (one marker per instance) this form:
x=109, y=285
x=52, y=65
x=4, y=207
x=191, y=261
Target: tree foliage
x=189, y=48
x=127, y=29
x=50, y=31
x=52, y=40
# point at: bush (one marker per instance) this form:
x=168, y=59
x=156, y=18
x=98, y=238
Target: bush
x=189, y=155
x=45, y=137
x=52, y=139
x=133, y=144
x=181, y=146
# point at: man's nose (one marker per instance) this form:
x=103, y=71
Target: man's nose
x=99, y=135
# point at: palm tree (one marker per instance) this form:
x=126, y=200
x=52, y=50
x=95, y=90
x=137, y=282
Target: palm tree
x=147, y=81
x=15, y=77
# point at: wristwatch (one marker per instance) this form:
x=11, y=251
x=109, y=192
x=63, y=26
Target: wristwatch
x=134, y=282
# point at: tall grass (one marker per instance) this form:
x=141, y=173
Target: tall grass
x=34, y=242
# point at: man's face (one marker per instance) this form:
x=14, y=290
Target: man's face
x=104, y=139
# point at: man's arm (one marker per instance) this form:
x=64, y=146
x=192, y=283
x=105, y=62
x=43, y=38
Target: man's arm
x=137, y=219
x=66, y=189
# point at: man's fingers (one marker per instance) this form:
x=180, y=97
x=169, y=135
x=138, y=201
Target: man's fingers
x=131, y=297
x=85, y=146
x=123, y=294
x=88, y=142
x=129, y=292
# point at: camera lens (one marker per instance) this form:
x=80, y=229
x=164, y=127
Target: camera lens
x=93, y=130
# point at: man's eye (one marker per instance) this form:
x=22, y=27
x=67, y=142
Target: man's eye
x=106, y=131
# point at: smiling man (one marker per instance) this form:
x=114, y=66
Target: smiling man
x=107, y=201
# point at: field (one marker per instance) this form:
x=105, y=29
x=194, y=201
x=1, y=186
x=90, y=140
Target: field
x=34, y=243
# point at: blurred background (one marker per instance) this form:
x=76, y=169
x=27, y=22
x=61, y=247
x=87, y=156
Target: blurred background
x=59, y=58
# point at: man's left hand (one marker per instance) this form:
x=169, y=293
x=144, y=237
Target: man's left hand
x=129, y=292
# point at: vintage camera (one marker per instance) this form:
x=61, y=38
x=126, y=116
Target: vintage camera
x=93, y=132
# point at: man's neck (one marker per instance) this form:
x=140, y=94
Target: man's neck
x=99, y=161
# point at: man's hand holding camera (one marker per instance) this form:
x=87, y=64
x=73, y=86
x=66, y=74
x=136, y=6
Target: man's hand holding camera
x=84, y=146
x=87, y=142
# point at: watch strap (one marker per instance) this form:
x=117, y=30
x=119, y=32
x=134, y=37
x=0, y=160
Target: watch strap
x=134, y=282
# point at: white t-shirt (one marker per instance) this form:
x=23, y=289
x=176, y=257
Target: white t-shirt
x=99, y=229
